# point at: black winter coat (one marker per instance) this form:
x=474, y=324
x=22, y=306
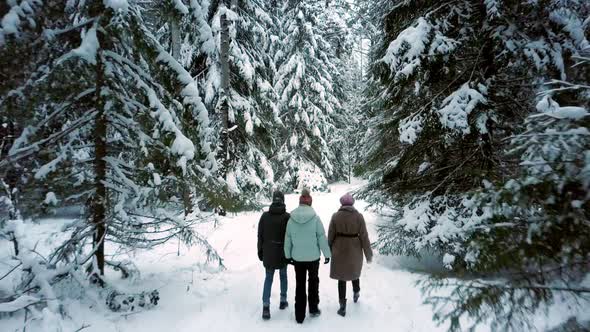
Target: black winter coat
x=271, y=236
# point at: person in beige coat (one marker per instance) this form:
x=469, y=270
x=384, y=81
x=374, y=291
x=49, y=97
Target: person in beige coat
x=348, y=240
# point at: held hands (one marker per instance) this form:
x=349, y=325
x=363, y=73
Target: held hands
x=326, y=261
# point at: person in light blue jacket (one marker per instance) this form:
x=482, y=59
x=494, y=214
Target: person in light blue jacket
x=305, y=241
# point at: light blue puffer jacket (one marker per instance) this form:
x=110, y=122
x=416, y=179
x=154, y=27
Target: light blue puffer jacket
x=305, y=236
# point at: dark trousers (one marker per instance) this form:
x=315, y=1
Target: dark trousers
x=302, y=270
x=356, y=287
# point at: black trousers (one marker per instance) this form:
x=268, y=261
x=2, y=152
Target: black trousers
x=302, y=271
x=356, y=287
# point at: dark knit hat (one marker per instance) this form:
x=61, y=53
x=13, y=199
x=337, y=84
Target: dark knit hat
x=278, y=197
x=305, y=197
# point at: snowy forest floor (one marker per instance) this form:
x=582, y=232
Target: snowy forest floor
x=197, y=297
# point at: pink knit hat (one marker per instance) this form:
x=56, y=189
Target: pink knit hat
x=305, y=197
x=347, y=200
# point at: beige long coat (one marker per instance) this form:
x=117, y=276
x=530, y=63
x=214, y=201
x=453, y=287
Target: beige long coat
x=347, y=249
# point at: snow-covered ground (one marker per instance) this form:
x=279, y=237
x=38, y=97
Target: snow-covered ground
x=197, y=297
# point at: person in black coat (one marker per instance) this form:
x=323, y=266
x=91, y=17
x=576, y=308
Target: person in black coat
x=271, y=237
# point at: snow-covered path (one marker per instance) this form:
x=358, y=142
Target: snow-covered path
x=198, y=297
x=231, y=300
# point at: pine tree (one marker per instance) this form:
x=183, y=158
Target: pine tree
x=452, y=92
x=112, y=122
x=361, y=18
x=250, y=99
x=182, y=28
x=308, y=104
x=452, y=85
x=535, y=224
x=336, y=26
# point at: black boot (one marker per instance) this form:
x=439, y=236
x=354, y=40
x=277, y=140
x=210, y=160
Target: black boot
x=283, y=305
x=315, y=313
x=266, y=312
x=356, y=296
x=342, y=310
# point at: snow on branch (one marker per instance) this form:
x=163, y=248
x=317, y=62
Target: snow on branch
x=455, y=109
x=572, y=25
x=12, y=21
x=549, y=107
x=180, y=7
x=19, y=303
x=25, y=151
x=53, y=165
x=89, y=47
x=117, y=5
x=407, y=52
x=181, y=146
x=410, y=128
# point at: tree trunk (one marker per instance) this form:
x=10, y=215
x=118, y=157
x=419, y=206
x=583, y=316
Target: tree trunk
x=226, y=147
x=175, y=46
x=489, y=72
x=225, y=88
x=99, y=201
x=362, y=66
x=175, y=39
x=186, y=198
x=349, y=159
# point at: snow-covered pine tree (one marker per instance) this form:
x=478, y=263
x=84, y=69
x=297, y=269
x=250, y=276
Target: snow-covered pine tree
x=250, y=97
x=426, y=68
x=371, y=14
x=250, y=100
x=183, y=30
x=452, y=85
x=336, y=26
x=308, y=103
x=182, y=27
x=111, y=122
x=350, y=29
x=450, y=90
x=530, y=242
